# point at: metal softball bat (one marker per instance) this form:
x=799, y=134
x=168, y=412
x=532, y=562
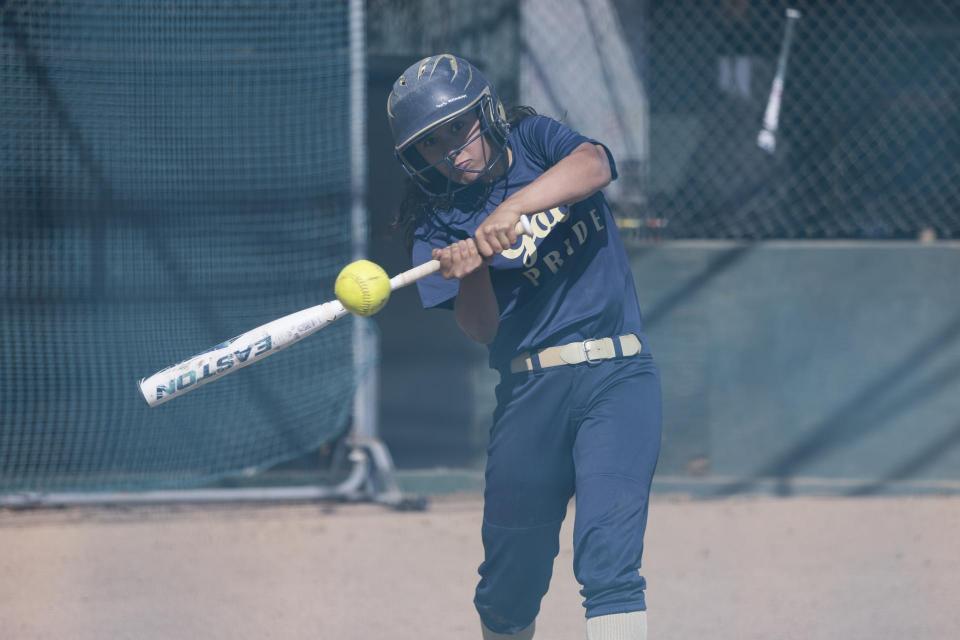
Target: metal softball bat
x=263, y=341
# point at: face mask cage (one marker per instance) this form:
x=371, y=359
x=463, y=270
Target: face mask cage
x=429, y=178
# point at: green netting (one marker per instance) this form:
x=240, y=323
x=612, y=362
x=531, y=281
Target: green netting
x=171, y=175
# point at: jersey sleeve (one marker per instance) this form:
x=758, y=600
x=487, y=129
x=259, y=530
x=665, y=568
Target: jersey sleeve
x=435, y=290
x=548, y=141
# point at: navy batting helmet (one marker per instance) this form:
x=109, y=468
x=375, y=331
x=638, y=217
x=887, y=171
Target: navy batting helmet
x=430, y=93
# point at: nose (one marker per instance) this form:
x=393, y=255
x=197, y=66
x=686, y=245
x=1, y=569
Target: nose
x=451, y=156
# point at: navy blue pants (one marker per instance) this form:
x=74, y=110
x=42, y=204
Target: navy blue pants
x=592, y=430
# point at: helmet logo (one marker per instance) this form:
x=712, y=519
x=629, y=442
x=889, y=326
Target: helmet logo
x=447, y=101
x=453, y=64
x=451, y=59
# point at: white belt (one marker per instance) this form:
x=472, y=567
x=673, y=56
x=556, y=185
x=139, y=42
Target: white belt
x=577, y=353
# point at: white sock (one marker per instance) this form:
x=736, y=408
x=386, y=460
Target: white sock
x=618, y=626
x=526, y=634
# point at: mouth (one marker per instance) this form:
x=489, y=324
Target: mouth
x=463, y=164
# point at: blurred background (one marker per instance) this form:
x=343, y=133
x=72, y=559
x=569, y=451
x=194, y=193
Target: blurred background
x=175, y=173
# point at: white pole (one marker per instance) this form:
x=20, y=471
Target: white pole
x=364, y=338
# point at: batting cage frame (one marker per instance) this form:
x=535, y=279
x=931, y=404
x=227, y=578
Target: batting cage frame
x=360, y=457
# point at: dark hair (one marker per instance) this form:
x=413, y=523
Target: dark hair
x=417, y=205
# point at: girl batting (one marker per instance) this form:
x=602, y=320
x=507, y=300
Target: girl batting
x=578, y=403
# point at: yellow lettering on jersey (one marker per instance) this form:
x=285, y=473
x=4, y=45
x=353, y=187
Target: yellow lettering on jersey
x=541, y=223
x=580, y=230
x=553, y=261
x=533, y=275
x=596, y=219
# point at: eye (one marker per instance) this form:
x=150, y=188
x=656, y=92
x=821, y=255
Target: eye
x=456, y=126
x=428, y=142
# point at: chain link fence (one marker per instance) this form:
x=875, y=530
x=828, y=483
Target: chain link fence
x=868, y=132
x=486, y=33
x=866, y=138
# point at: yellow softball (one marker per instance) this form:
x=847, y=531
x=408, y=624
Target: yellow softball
x=363, y=287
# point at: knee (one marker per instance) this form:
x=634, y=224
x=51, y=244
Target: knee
x=502, y=618
x=515, y=575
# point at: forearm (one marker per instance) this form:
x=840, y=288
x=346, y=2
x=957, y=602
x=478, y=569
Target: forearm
x=476, y=308
x=579, y=175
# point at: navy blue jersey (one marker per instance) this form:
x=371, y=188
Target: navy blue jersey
x=571, y=282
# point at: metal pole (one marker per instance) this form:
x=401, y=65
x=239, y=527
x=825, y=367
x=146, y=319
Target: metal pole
x=364, y=347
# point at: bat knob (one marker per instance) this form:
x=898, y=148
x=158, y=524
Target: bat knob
x=525, y=223
x=767, y=141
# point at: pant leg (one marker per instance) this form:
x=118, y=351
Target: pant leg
x=615, y=453
x=529, y=481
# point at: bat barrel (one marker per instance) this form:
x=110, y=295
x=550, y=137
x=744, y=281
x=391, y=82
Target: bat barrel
x=239, y=352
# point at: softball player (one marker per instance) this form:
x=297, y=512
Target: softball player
x=578, y=403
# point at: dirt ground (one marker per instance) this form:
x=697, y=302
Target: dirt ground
x=737, y=569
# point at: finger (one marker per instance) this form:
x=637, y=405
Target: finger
x=496, y=241
x=482, y=245
x=460, y=251
x=504, y=239
x=445, y=262
x=473, y=255
x=512, y=235
x=456, y=259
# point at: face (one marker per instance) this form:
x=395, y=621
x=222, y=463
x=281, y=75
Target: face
x=439, y=148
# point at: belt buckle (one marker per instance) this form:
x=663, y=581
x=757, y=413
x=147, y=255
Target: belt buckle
x=586, y=351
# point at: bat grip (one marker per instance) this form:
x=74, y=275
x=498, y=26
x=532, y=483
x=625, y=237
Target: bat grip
x=432, y=266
